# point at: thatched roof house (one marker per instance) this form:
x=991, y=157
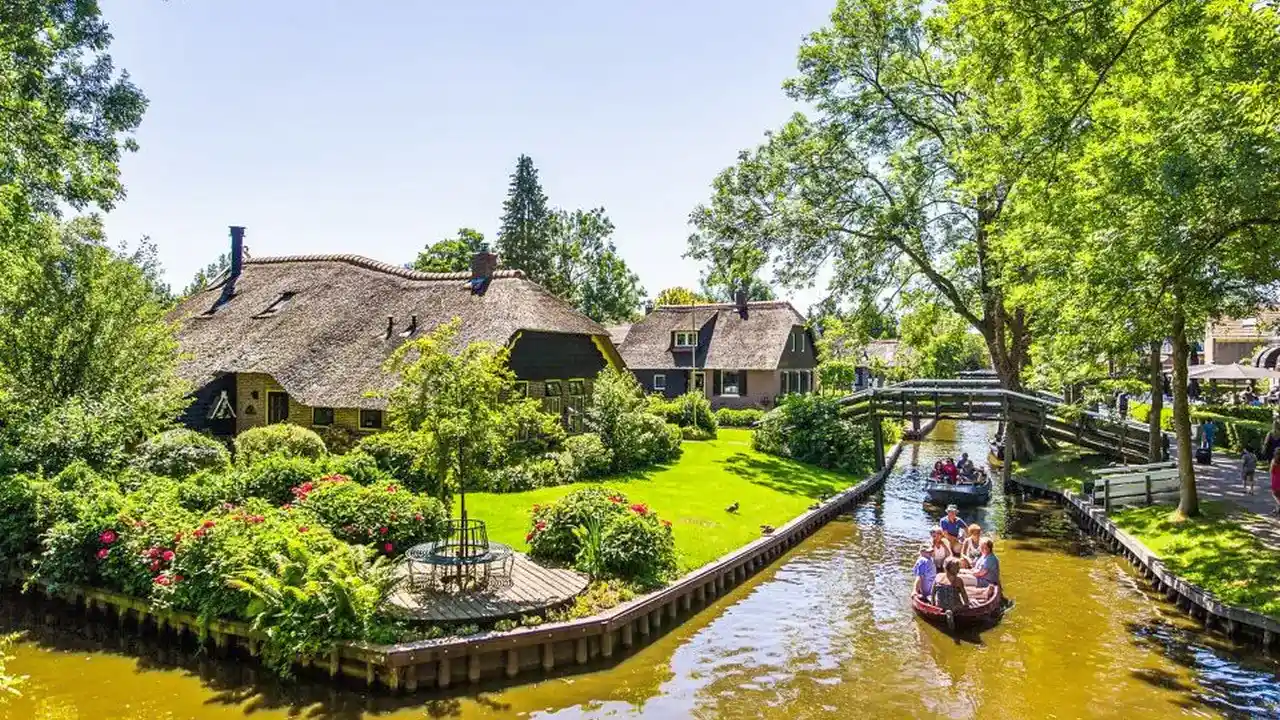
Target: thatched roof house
x=741, y=354
x=303, y=338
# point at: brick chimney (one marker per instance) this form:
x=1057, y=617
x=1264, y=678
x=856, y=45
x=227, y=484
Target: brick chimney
x=740, y=300
x=484, y=263
x=648, y=307
x=237, y=250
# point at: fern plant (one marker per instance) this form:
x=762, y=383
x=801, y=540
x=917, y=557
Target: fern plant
x=588, y=535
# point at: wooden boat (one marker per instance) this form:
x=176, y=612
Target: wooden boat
x=989, y=610
x=995, y=456
x=941, y=493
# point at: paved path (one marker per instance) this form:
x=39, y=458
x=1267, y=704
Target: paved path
x=1221, y=481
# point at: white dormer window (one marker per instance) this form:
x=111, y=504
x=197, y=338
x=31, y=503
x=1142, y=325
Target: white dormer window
x=685, y=339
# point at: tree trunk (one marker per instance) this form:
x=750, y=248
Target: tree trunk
x=1155, y=438
x=1188, y=503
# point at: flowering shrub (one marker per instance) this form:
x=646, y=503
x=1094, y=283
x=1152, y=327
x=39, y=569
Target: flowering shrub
x=181, y=452
x=406, y=456
x=633, y=542
x=274, y=477
x=387, y=518
x=590, y=455
x=285, y=439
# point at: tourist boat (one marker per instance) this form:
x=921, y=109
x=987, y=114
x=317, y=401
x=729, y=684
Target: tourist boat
x=995, y=455
x=942, y=493
x=989, y=610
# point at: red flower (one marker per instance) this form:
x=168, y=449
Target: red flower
x=528, y=538
x=167, y=556
x=417, y=516
x=108, y=536
x=389, y=548
x=303, y=528
x=103, y=553
x=153, y=553
x=391, y=488
x=615, y=499
x=199, y=533
x=540, y=526
x=177, y=578
x=257, y=519
x=639, y=509
x=155, y=566
x=383, y=530
x=164, y=580
x=666, y=523
x=207, y=524
x=177, y=538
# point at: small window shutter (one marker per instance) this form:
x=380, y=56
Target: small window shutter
x=742, y=383
x=718, y=380
x=804, y=382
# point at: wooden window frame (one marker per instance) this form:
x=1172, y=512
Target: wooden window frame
x=656, y=386
x=315, y=421
x=372, y=414
x=686, y=334
x=270, y=395
x=736, y=385
x=546, y=388
x=580, y=384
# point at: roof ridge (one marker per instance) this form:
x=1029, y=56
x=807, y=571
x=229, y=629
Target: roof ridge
x=726, y=305
x=377, y=265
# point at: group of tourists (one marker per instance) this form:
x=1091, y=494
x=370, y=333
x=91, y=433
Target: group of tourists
x=958, y=567
x=951, y=472
x=1269, y=454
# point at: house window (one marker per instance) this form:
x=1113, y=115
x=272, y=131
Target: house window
x=796, y=381
x=577, y=387
x=277, y=407
x=553, y=388
x=797, y=340
x=522, y=389
x=659, y=382
x=281, y=303
x=699, y=381
x=729, y=384
x=322, y=416
x=685, y=339
x=370, y=419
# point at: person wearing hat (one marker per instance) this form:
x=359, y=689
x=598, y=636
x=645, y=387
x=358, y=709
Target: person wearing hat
x=953, y=527
x=926, y=572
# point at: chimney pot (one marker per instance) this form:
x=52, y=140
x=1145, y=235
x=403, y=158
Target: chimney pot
x=740, y=298
x=484, y=263
x=237, y=250
x=648, y=307
x=391, y=325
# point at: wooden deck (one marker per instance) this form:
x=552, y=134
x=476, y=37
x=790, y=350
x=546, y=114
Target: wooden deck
x=532, y=588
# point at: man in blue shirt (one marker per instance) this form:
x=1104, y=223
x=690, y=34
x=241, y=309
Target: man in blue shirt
x=925, y=572
x=986, y=571
x=953, y=527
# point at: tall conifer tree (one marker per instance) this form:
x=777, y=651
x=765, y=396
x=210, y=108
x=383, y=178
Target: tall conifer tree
x=524, y=237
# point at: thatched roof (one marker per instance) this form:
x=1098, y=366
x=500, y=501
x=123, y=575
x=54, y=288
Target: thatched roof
x=1261, y=325
x=326, y=344
x=618, y=333
x=884, y=350
x=753, y=340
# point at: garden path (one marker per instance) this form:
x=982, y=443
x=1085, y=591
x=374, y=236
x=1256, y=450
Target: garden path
x=1221, y=481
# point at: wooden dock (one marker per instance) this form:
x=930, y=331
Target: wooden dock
x=531, y=589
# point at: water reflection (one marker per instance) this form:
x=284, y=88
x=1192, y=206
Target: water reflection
x=827, y=631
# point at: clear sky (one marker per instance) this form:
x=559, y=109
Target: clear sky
x=377, y=127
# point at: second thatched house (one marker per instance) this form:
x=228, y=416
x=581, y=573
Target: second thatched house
x=740, y=354
x=303, y=339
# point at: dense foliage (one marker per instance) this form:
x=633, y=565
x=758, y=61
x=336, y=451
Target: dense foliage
x=181, y=452
x=451, y=254
x=409, y=458
x=809, y=428
x=387, y=518
x=284, y=439
x=601, y=533
x=744, y=418
x=618, y=414
x=690, y=410
x=590, y=455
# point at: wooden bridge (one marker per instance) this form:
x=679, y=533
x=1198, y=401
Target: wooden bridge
x=983, y=399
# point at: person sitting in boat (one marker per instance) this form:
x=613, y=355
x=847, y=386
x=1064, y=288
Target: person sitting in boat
x=925, y=572
x=948, y=591
x=952, y=527
x=949, y=471
x=937, y=471
x=971, y=548
x=965, y=463
x=941, y=548
x=986, y=570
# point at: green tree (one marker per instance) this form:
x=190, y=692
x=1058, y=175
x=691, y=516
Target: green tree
x=678, y=295
x=66, y=115
x=587, y=270
x=207, y=275
x=937, y=343
x=450, y=254
x=730, y=271
x=524, y=235
x=86, y=358
x=8, y=683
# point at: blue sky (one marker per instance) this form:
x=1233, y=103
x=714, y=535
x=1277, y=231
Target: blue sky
x=333, y=127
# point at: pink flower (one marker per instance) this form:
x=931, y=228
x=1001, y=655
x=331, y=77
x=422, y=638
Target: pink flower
x=155, y=566
x=639, y=509
x=108, y=536
x=383, y=530
x=177, y=578
x=389, y=548
x=103, y=553
x=167, y=556
x=303, y=528
x=417, y=516
x=153, y=553
x=540, y=526
x=164, y=580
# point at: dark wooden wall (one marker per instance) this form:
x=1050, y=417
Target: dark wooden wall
x=555, y=356
x=677, y=381
x=196, y=416
x=800, y=359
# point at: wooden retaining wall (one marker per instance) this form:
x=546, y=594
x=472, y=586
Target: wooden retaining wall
x=602, y=638
x=1236, y=623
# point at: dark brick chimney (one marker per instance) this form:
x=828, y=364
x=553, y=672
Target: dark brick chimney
x=484, y=264
x=740, y=300
x=237, y=250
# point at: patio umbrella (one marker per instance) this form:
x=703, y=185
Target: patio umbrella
x=1231, y=372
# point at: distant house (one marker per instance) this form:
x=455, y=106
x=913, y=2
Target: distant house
x=743, y=354
x=1247, y=339
x=877, y=354
x=303, y=339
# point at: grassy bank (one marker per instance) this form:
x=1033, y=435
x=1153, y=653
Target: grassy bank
x=693, y=493
x=1214, y=551
x=1062, y=470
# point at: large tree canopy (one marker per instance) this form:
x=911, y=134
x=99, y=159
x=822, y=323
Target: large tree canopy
x=451, y=254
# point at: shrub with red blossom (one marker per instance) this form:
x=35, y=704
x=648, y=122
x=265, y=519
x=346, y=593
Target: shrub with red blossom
x=375, y=516
x=634, y=544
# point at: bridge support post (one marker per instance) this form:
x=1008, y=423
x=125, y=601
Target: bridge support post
x=877, y=432
x=1006, y=470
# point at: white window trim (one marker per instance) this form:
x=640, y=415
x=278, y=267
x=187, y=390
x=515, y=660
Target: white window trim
x=691, y=337
x=659, y=381
x=737, y=384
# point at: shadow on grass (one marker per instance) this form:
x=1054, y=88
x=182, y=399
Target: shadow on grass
x=1216, y=551
x=1063, y=470
x=787, y=476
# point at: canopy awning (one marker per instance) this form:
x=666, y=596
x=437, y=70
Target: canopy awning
x=1267, y=357
x=1231, y=372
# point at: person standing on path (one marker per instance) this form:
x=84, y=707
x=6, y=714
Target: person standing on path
x=1271, y=442
x=1275, y=482
x=1248, y=465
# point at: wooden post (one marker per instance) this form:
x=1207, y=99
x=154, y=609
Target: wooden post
x=513, y=662
x=548, y=656
x=580, y=652
x=1006, y=469
x=444, y=672
x=1106, y=495
x=473, y=667
x=1147, y=480
x=606, y=644
x=877, y=432
x=627, y=639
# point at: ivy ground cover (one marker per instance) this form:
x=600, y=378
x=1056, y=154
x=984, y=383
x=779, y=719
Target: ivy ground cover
x=693, y=492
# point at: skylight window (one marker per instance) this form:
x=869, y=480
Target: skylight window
x=281, y=303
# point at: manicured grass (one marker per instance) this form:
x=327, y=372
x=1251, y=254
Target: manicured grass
x=692, y=493
x=1214, y=551
x=1064, y=469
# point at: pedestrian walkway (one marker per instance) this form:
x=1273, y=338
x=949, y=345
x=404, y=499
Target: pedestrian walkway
x=1221, y=481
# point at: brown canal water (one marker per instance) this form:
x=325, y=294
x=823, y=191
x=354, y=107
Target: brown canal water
x=825, y=632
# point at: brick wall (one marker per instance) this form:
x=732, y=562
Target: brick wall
x=247, y=384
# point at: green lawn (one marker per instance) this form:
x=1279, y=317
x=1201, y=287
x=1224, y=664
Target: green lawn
x=1063, y=469
x=1214, y=551
x=692, y=493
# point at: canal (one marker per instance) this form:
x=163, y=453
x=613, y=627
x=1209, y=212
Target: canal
x=825, y=632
